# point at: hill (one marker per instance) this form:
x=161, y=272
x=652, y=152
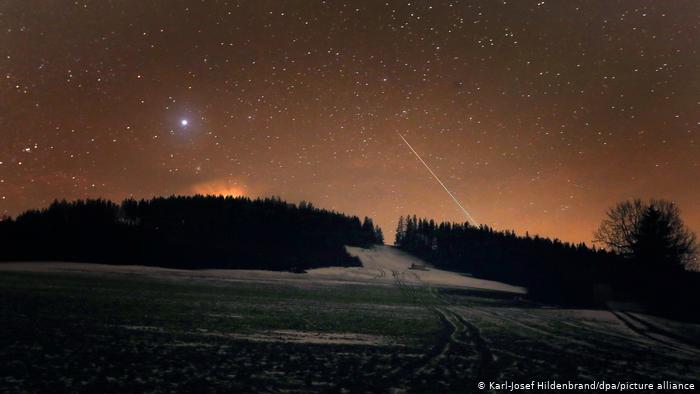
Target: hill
x=552, y=271
x=188, y=232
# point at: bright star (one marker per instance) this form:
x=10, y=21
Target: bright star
x=184, y=122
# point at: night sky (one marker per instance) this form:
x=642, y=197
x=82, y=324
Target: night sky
x=537, y=115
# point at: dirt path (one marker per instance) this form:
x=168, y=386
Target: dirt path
x=460, y=357
x=454, y=360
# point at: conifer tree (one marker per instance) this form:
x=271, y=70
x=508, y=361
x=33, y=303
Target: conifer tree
x=400, y=232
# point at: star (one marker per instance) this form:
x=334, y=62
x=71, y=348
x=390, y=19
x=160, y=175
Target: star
x=503, y=108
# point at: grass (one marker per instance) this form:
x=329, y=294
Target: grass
x=98, y=332
x=84, y=332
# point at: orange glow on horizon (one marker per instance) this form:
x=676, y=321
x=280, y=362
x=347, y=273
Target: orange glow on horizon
x=218, y=188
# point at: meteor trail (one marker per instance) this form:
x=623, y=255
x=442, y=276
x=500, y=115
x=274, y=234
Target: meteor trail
x=469, y=217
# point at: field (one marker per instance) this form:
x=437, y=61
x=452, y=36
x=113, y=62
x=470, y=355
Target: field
x=379, y=328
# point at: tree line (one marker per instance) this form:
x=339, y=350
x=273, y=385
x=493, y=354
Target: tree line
x=188, y=232
x=648, y=269
x=542, y=265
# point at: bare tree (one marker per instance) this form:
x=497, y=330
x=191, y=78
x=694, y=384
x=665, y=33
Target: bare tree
x=652, y=233
x=618, y=229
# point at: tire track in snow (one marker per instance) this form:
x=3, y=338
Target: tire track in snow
x=463, y=348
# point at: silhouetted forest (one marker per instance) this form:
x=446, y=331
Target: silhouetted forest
x=552, y=270
x=188, y=232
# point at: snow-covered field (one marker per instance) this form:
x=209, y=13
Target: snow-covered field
x=380, y=262
x=390, y=326
x=378, y=265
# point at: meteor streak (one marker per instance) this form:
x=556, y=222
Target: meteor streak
x=469, y=217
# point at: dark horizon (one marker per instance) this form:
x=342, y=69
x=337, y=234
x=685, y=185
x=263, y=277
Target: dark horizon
x=390, y=230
